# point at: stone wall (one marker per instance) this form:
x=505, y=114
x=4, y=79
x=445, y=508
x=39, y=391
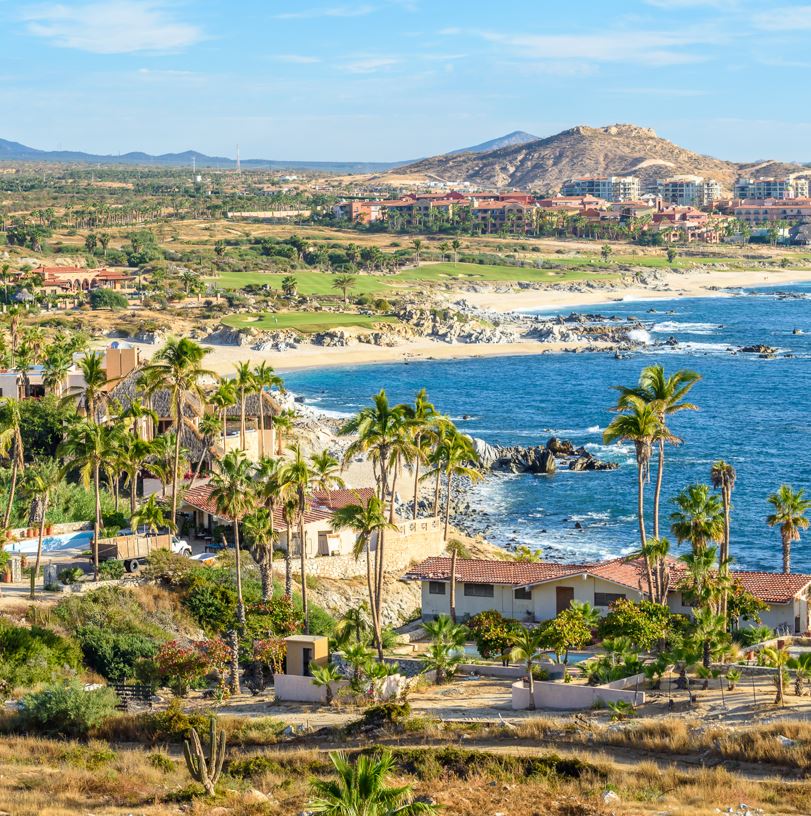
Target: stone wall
x=412, y=541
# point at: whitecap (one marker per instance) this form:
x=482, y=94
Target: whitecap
x=674, y=327
x=640, y=336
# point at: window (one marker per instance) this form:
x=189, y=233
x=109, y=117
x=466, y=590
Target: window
x=607, y=598
x=436, y=588
x=523, y=594
x=478, y=590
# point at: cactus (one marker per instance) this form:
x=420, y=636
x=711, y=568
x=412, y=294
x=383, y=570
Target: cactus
x=205, y=770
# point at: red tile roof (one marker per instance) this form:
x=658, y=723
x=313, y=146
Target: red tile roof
x=768, y=586
x=321, y=505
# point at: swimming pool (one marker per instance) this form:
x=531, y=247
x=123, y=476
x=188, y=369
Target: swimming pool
x=79, y=540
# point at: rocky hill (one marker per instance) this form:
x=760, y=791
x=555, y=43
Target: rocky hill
x=583, y=151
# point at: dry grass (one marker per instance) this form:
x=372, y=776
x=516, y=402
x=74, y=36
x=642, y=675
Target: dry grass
x=58, y=778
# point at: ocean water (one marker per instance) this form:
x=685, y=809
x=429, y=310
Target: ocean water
x=754, y=413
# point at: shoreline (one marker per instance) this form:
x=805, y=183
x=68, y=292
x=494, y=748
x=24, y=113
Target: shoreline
x=675, y=286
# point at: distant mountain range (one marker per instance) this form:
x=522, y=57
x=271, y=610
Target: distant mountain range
x=16, y=152
x=543, y=164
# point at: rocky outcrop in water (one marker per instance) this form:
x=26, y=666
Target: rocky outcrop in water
x=538, y=459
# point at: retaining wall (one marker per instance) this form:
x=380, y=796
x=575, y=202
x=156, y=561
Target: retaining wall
x=412, y=541
x=572, y=697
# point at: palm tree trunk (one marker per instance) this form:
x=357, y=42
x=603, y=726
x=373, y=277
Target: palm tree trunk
x=266, y=576
x=133, y=491
x=303, y=557
x=199, y=467
x=260, y=395
x=452, y=598
x=393, y=490
x=242, y=421
x=658, y=490
x=447, y=509
x=640, y=498
x=97, y=525
x=372, y=603
x=531, y=686
x=176, y=468
x=35, y=571
x=786, y=551
x=224, y=429
x=288, y=571
x=436, y=493
x=725, y=550
x=11, y=490
x=240, y=601
x=416, y=484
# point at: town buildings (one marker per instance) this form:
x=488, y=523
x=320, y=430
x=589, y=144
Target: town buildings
x=608, y=188
x=761, y=189
x=689, y=191
x=758, y=213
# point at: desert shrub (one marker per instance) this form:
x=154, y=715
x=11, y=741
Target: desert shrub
x=162, y=762
x=750, y=635
x=67, y=710
x=114, y=655
x=111, y=570
x=71, y=575
x=278, y=617
x=212, y=605
x=170, y=568
x=93, y=756
x=29, y=656
x=108, y=299
x=492, y=634
x=643, y=623
x=383, y=714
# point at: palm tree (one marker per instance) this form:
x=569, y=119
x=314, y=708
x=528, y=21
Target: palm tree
x=41, y=479
x=420, y=422
x=700, y=582
x=458, y=461
x=366, y=521
x=133, y=453
x=667, y=394
x=89, y=446
x=778, y=658
x=222, y=398
x=360, y=790
x=447, y=643
x=709, y=630
x=265, y=378
x=699, y=517
x=152, y=516
x=11, y=445
x=233, y=497
x=526, y=648
x=790, y=507
x=326, y=473
x=209, y=427
x=245, y=384
x=177, y=367
x=379, y=430
x=641, y=426
x=282, y=425
x=57, y=365
x=722, y=476
x=297, y=476
x=95, y=378
x=260, y=535
x=344, y=283
x=135, y=412
x=325, y=677
x=289, y=511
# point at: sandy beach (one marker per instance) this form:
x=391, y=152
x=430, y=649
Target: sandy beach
x=222, y=359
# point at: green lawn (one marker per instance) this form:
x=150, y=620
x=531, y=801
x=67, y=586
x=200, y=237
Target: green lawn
x=306, y=322
x=309, y=281
x=485, y=272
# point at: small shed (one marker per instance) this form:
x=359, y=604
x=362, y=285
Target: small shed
x=303, y=650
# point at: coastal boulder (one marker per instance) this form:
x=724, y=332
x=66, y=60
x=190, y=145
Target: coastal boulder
x=560, y=447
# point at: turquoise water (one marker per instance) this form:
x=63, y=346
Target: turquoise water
x=80, y=540
x=754, y=413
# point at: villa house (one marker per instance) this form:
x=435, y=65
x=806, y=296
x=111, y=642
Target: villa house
x=79, y=278
x=536, y=592
x=320, y=538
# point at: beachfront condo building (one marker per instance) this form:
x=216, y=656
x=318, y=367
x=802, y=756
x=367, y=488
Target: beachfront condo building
x=608, y=188
x=760, y=189
x=689, y=191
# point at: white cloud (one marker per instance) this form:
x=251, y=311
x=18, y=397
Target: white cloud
x=653, y=48
x=112, y=27
x=330, y=11
x=296, y=59
x=370, y=65
x=784, y=18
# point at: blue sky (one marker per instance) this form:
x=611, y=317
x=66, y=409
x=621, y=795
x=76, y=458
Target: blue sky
x=397, y=79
